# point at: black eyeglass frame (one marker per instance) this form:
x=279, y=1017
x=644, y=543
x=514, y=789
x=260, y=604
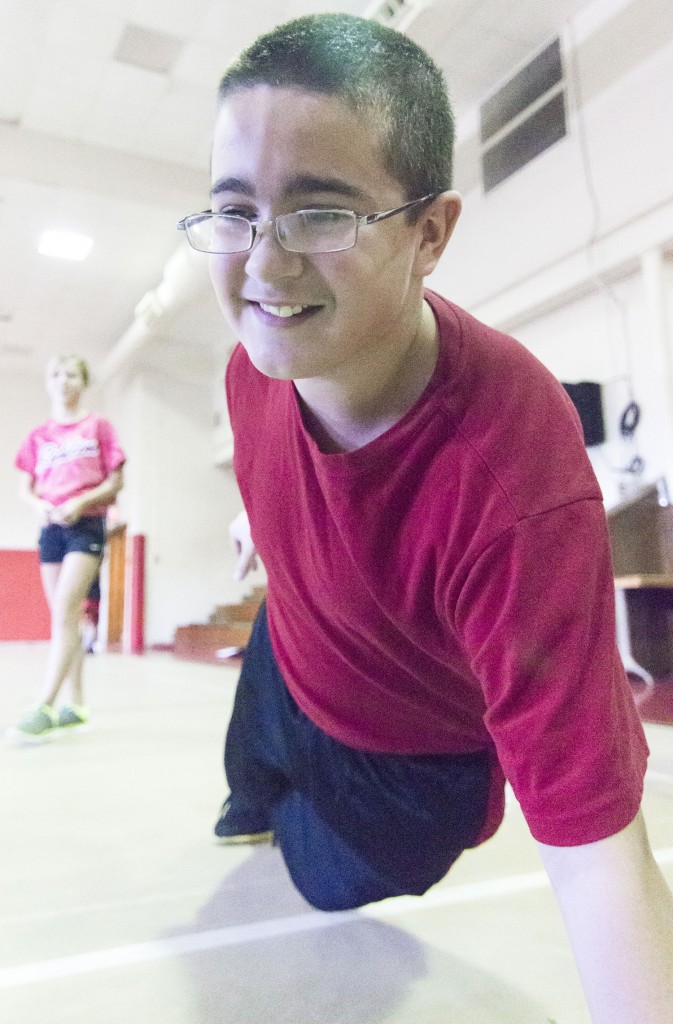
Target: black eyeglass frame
x=255, y=226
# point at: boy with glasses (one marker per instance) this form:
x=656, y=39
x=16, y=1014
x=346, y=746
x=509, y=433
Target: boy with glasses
x=440, y=611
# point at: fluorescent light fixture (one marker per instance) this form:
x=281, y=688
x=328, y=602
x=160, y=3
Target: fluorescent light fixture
x=66, y=245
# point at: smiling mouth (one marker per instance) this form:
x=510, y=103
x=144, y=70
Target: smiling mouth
x=285, y=311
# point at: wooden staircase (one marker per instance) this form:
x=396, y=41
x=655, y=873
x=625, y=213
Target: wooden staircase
x=223, y=638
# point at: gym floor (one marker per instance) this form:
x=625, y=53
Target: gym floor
x=118, y=906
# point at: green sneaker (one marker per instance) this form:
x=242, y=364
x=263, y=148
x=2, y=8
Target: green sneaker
x=39, y=725
x=73, y=718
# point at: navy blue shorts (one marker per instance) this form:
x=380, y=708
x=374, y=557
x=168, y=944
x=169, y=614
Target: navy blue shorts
x=87, y=535
x=353, y=826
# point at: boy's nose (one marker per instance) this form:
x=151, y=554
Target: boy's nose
x=268, y=260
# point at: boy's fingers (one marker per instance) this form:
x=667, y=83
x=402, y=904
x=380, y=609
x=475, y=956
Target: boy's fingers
x=246, y=562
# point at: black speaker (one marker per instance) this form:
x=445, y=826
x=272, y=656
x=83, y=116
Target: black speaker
x=588, y=400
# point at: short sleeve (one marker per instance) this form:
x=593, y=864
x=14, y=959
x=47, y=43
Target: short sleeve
x=25, y=457
x=112, y=453
x=536, y=618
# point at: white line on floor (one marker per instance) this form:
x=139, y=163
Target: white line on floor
x=236, y=935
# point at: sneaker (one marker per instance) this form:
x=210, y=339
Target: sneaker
x=38, y=726
x=73, y=717
x=239, y=823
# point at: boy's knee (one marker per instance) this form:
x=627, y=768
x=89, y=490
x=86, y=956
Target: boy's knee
x=332, y=892
x=328, y=873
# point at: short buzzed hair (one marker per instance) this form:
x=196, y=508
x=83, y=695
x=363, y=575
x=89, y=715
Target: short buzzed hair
x=379, y=73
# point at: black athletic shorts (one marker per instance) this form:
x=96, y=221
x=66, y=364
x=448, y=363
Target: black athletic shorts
x=353, y=826
x=87, y=535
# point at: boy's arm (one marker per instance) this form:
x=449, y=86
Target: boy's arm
x=618, y=911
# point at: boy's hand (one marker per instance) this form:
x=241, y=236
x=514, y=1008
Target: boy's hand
x=239, y=532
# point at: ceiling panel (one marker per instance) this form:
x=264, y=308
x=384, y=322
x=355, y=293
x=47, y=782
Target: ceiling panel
x=122, y=152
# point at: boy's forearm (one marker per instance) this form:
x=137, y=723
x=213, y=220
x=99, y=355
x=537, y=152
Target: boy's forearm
x=618, y=912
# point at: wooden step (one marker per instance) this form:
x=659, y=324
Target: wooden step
x=246, y=611
x=211, y=635
x=230, y=626
x=206, y=655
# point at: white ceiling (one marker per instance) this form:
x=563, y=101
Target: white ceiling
x=93, y=144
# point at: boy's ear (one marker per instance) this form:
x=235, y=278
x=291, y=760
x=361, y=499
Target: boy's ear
x=436, y=226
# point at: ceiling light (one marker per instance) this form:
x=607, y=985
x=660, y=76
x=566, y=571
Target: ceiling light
x=65, y=244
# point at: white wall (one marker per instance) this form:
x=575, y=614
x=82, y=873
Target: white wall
x=544, y=214
x=176, y=497
x=520, y=259
x=23, y=405
x=605, y=336
x=571, y=254
x=174, y=492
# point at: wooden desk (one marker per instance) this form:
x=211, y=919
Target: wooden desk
x=649, y=602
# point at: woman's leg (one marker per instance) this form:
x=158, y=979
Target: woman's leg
x=66, y=585
x=74, y=677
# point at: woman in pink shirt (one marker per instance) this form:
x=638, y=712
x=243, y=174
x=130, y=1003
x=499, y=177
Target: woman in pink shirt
x=71, y=471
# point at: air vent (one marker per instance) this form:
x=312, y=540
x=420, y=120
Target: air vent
x=397, y=14
x=524, y=117
x=145, y=48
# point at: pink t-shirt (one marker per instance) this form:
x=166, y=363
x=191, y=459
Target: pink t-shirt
x=448, y=587
x=66, y=459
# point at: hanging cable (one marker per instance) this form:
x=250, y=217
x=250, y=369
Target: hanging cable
x=599, y=279
x=631, y=415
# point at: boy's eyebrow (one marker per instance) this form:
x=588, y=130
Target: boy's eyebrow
x=304, y=184
x=232, y=185
x=310, y=184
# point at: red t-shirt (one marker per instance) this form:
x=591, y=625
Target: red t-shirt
x=448, y=587
x=66, y=459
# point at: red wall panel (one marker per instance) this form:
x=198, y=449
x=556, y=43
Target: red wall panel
x=24, y=614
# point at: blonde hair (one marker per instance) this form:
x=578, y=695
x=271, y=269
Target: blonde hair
x=79, y=363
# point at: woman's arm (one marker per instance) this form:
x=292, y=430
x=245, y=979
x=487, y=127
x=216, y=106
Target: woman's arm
x=618, y=912
x=27, y=493
x=104, y=494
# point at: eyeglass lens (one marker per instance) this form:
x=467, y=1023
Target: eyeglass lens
x=317, y=230
x=304, y=231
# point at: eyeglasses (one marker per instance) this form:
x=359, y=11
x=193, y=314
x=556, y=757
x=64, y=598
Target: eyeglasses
x=306, y=231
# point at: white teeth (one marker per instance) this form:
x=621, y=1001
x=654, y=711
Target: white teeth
x=283, y=311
